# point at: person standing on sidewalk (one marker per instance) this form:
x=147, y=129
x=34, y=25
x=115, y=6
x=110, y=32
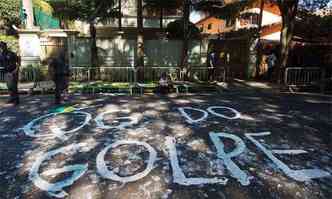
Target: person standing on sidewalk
x=271, y=62
x=212, y=63
x=60, y=73
x=10, y=62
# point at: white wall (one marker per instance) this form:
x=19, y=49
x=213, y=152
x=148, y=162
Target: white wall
x=268, y=18
x=273, y=37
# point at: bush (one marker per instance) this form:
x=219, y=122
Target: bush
x=34, y=73
x=11, y=41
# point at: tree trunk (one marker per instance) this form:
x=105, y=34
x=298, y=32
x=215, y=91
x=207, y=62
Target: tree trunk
x=288, y=10
x=120, y=16
x=184, y=58
x=161, y=17
x=258, y=48
x=260, y=17
x=140, y=41
x=94, y=50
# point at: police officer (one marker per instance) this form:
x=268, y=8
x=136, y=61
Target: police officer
x=9, y=61
x=61, y=73
x=212, y=65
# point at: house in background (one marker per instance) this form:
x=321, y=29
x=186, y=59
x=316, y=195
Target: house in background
x=118, y=41
x=117, y=38
x=235, y=37
x=271, y=21
x=211, y=25
x=249, y=18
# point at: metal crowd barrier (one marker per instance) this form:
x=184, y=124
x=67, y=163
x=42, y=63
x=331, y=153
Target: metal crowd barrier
x=315, y=77
x=302, y=76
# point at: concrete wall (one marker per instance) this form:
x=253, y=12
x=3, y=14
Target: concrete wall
x=119, y=52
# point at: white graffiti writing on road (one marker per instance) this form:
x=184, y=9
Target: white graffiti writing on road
x=56, y=189
x=237, y=114
x=133, y=119
x=190, y=120
x=30, y=128
x=121, y=123
x=178, y=175
x=104, y=172
x=298, y=175
x=236, y=172
x=204, y=114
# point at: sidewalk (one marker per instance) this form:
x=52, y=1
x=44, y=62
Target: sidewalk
x=22, y=87
x=239, y=85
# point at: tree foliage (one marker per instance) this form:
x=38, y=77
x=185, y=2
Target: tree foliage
x=86, y=10
x=289, y=11
x=9, y=12
x=320, y=26
x=169, y=4
x=313, y=5
x=90, y=11
x=43, y=5
x=175, y=30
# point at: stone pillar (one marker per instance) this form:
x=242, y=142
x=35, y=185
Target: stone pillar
x=29, y=43
x=28, y=7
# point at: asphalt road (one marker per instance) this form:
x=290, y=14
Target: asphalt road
x=31, y=157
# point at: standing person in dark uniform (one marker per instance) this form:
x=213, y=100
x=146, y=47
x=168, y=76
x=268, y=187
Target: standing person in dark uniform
x=9, y=61
x=212, y=65
x=61, y=73
x=271, y=62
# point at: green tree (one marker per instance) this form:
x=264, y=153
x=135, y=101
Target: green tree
x=161, y=5
x=289, y=10
x=10, y=11
x=175, y=30
x=91, y=12
x=140, y=42
x=186, y=13
x=181, y=29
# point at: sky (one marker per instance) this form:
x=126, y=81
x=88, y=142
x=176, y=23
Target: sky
x=195, y=16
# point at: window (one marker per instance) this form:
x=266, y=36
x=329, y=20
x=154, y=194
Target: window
x=255, y=19
x=229, y=23
x=209, y=26
x=222, y=26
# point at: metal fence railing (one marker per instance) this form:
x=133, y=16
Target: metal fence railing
x=315, y=77
x=118, y=74
x=202, y=73
x=302, y=76
x=2, y=75
x=154, y=73
x=150, y=73
x=121, y=74
x=110, y=74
